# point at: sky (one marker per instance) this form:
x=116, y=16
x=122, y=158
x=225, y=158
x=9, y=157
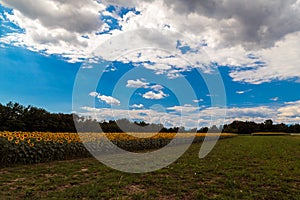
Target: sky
x=180, y=63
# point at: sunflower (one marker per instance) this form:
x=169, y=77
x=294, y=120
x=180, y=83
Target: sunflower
x=10, y=138
x=17, y=142
x=39, y=139
x=31, y=144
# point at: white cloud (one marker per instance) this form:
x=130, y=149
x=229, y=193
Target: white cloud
x=190, y=116
x=287, y=113
x=87, y=67
x=138, y=106
x=107, y=99
x=155, y=95
x=198, y=100
x=255, y=112
x=157, y=87
x=78, y=16
x=274, y=99
x=150, y=116
x=111, y=69
x=281, y=62
x=55, y=26
x=137, y=84
x=232, y=32
x=243, y=91
x=94, y=94
x=184, y=109
x=291, y=109
x=225, y=33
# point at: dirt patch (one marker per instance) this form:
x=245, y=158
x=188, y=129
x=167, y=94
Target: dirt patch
x=19, y=179
x=167, y=197
x=84, y=170
x=210, y=181
x=4, y=172
x=52, y=175
x=13, y=182
x=134, y=189
x=63, y=187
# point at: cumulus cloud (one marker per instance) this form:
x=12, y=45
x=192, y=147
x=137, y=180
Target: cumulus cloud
x=147, y=115
x=256, y=23
x=155, y=95
x=233, y=30
x=198, y=100
x=107, y=99
x=274, y=99
x=291, y=109
x=234, y=33
x=195, y=117
x=157, y=87
x=94, y=94
x=137, y=84
x=76, y=16
x=187, y=108
x=157, y=92
x=255, y=112
x=281, y=62
x=140, y=83
x=138, y=106
x=55, y=26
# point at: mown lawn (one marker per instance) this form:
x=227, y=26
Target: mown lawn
x=244, y=167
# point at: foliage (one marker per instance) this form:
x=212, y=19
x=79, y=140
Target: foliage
x=15, y=117
x=240, y=127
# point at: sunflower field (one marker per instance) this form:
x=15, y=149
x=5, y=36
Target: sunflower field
x=37, y=147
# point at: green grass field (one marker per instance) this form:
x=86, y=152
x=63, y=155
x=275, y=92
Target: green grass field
x=243, y=167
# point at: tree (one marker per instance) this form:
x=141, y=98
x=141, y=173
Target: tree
x=268, y=125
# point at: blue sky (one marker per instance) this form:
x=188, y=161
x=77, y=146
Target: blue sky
x=181, y=66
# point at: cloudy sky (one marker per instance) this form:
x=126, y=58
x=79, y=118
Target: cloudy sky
x=174, y=62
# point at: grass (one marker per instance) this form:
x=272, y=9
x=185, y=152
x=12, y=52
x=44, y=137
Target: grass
x=243, y=167
x=270, y=134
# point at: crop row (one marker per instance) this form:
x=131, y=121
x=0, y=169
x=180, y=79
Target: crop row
x=37, y=147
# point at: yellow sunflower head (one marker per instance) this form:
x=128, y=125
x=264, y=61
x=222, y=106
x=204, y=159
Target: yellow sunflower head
x=10, y=138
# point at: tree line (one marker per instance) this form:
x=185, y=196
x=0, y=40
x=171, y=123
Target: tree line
x=16, y=117
x=247, y=127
